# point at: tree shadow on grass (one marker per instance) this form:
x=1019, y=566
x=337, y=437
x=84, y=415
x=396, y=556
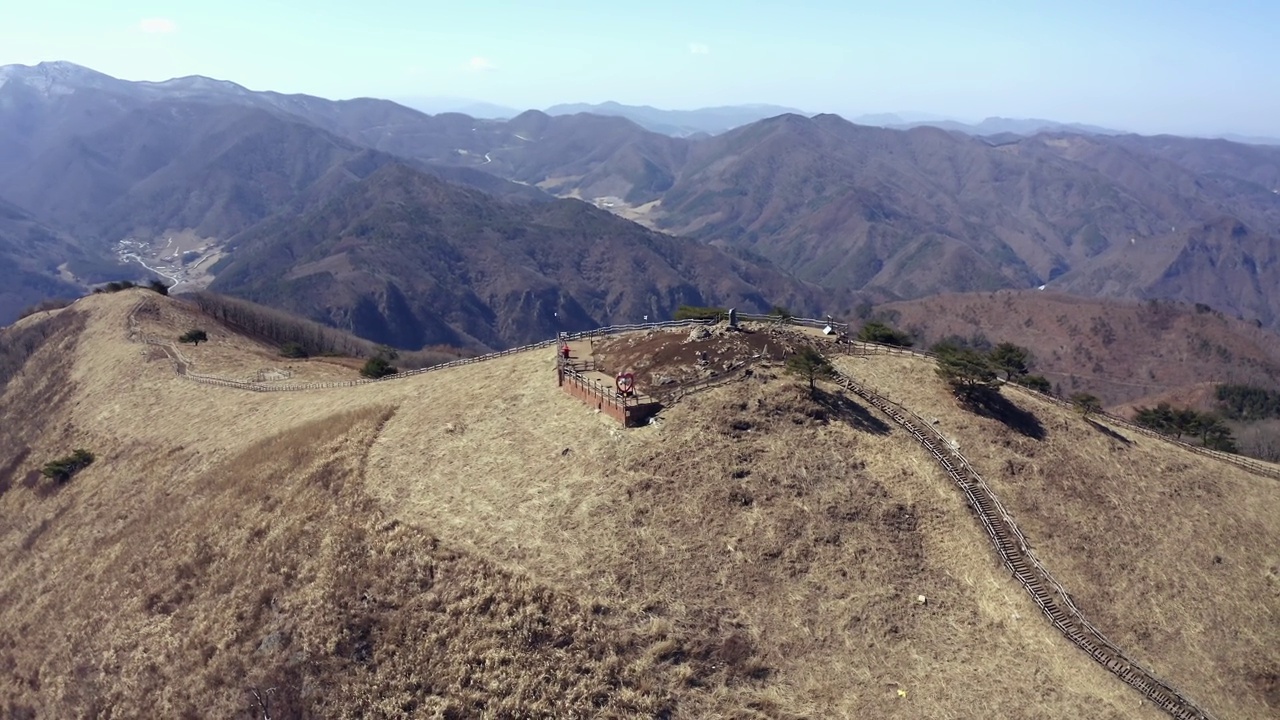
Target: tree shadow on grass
x=991, y=404
x=10, y=469
x=1108, y=431
x=842, y=407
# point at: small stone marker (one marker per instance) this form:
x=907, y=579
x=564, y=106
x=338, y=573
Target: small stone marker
x=733, y=317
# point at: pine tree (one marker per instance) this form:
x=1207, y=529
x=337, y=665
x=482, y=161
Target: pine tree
x=1086, y=403
x=1011, y=359
x=810, y=365
x=194, y=336
x=967, y=371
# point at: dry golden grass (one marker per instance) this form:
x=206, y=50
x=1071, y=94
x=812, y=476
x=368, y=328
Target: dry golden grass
x=474, y=543
x=1171, y=554
x=34, y=374
x=195, y=561
x=795, y=582
x=273, y=570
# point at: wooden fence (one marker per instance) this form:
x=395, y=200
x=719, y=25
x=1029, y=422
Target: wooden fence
x=781, y=320
x=630, y=410
x=181, y=363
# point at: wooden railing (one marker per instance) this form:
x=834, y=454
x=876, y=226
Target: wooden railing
x=838, y=327
x=181, y=363
x=605, y=392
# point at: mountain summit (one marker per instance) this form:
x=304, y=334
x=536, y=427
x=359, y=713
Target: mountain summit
x=56, y=77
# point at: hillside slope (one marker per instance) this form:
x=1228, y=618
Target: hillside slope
x=1119, y=351
x=1172, y=554
x=800, y=539
x=31, y=256
x=225, y=562
x=500, y=550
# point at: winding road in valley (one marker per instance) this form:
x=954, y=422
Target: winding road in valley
x=134, y=257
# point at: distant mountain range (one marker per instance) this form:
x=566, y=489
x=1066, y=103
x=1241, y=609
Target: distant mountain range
x=903, y=214
x=989, y=126
x=916, y=212
x=305, y=195
x=315, y=218
x=474, y=108
x=715, y=120
x=676, y=123
x=679, y=123
x=1249, y=139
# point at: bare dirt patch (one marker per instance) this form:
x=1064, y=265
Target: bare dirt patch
x=647, y=214
x=665, y=358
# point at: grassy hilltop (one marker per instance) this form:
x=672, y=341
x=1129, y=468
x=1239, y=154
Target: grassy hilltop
x=474, y=542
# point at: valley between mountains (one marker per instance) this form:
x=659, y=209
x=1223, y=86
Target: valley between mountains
x=848, y=212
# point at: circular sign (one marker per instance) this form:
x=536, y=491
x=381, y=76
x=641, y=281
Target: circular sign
x=625, y=382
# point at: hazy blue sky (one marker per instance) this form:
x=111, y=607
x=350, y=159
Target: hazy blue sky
x=1150, y=66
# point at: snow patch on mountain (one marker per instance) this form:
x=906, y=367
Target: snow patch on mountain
x=54, y=78
x=57, y=78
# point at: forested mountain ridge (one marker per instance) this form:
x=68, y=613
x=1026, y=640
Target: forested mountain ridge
x=892, y=214
x=409, y=260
